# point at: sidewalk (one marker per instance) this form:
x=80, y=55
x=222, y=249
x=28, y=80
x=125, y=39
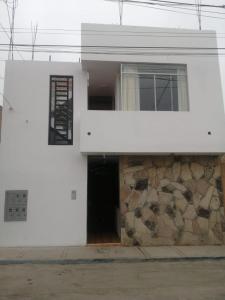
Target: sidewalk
x=95, y=254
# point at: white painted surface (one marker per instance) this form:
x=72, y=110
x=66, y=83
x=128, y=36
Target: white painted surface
x=49, y=173
x=150, y=133
x=158, y=132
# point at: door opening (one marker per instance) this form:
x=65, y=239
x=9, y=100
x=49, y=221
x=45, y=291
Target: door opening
x=103, y=200
x=101, y=103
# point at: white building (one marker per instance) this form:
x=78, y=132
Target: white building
x=123, y=147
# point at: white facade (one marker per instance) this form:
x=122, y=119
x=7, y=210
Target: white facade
x=50, y=173
x=156, y=132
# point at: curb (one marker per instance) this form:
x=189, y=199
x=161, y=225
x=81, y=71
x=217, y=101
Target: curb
x=103, y=260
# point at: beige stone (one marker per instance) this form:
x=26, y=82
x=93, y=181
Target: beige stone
x=170, y=187
x=203, y=224
x=152, y=196
x=185, y=172
x=147, y=214
x=169, y=174
x=222, y=211
x=125, y=240
x=196, y=200
x=144, y=239
x=197, y=170
x=219, y=218
x=177, y=194
x=216, y=193
x=181, y=203
x=164, y=182
x=215, y=203
x=161, y=172
x=153, y=179
x=205, y=201
x=176, y=168
x=163, y=161
x=202, y=186
x=129, y=180
x=143, y=198
x=140, y=227
x=140, y=174
x=178, y=186
x=123, y=208
x=209, y=172
x=188, y=238
x=212, y=181
x=166, y=227
x=195, y=227
x=134, y=200
x=191, y=185
x=213, y=240
x=125, y=191
x=133, y=169
x=179, y=222
x=212, y=219
x=165, y=197
x=147, y=163
x=190, y=213
x=129, y=220
x=188, y=225
x=165, y=200
x=217, y=172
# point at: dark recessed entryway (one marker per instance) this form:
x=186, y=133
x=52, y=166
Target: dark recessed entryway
x=103, y=199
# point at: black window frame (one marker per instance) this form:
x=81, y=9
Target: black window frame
x=52, y=141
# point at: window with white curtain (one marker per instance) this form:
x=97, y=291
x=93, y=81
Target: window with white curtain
x=154, y=87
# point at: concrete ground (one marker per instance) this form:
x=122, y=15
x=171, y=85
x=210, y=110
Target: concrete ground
x=90, y=254
x=181, y=280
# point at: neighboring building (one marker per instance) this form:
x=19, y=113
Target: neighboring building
x=0, y=121
x=124, y=147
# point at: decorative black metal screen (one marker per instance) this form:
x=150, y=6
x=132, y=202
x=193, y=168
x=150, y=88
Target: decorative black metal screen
x=61, y=110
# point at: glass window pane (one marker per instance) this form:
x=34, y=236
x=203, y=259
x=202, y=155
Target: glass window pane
x=174, y=93
x=163, y=93
x=147, y=97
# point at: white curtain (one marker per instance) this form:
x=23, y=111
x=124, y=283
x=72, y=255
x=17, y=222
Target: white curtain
x=130, y=88
x=117, y=94
x=182, y=89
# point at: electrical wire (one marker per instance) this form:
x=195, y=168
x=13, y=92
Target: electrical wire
x=147, y=4
x=116, y=47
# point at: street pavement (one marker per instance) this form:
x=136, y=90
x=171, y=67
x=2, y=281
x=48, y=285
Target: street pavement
x=152, y=280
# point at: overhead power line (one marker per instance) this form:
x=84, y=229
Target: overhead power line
x=115, y=47
x=197, y=54
x=100, y=31
x=181, y=3
x=151, y=5
x=120, y=50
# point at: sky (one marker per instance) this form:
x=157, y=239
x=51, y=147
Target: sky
x=69, y=14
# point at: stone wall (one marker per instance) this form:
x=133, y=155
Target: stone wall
x=171, y=200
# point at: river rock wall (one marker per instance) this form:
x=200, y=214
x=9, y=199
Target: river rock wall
x=171, y=200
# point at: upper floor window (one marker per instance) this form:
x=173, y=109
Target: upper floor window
x=154, y=87
x=61, y=110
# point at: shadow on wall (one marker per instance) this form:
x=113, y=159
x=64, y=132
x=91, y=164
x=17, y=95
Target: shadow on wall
x=171, y=200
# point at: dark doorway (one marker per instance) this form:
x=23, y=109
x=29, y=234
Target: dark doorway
x=103, y=200
x=101, y=103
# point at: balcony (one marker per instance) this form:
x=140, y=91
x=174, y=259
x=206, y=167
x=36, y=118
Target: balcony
x=145, y=132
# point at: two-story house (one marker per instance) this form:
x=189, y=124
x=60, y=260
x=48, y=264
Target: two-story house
x=123, y=147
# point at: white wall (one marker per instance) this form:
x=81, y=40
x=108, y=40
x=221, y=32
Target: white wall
x=49, y=173
x=158, y=132
x=150, y=133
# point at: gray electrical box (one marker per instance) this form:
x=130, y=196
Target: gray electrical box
x=16, y=205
